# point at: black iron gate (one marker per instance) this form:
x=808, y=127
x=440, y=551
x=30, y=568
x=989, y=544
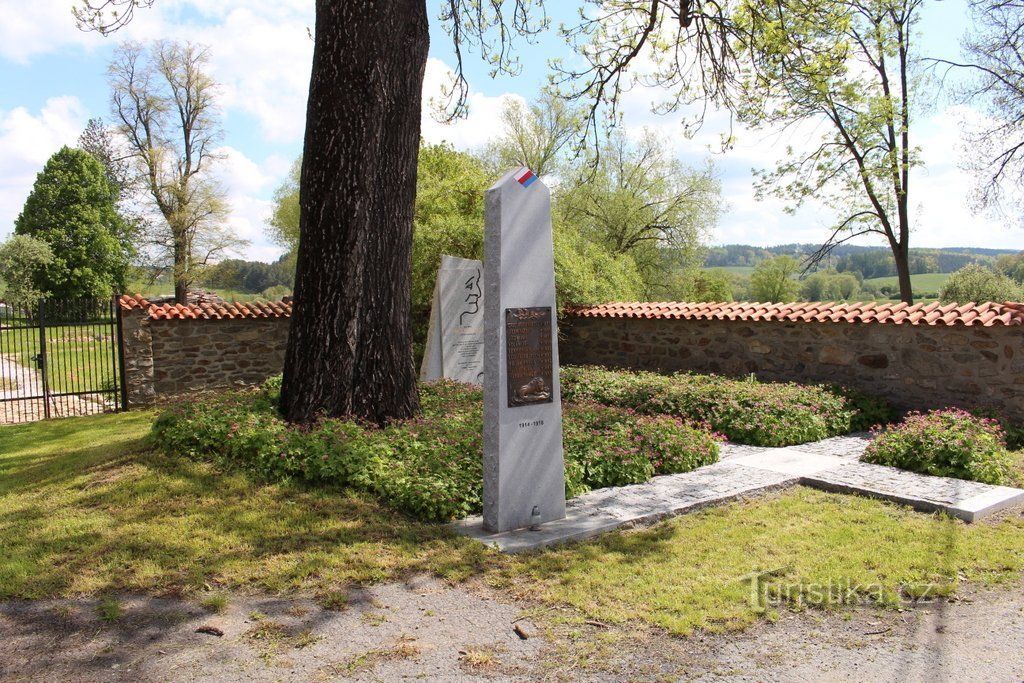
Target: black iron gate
x=60, y=358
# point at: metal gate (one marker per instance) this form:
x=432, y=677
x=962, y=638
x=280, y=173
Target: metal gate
x=59, y=358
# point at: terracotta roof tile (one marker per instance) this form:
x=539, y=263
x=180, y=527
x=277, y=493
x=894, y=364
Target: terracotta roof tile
x=986, y=315
x=208, y=311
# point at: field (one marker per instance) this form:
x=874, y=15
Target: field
x=925, y=283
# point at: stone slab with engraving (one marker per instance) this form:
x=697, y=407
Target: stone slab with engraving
x=524, y=476
x=455, y=336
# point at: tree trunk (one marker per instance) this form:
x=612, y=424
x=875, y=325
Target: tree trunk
x=901, y=254
x=350, y=344
x=180, y=269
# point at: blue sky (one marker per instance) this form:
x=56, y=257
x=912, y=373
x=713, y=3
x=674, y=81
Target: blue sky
x=53, y=80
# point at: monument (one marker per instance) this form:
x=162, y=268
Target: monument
x=524, y=476
x=455, y=333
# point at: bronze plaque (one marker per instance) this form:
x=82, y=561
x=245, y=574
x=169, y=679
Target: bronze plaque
x=528, y=355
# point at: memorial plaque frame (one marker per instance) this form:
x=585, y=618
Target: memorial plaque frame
x=530, y=370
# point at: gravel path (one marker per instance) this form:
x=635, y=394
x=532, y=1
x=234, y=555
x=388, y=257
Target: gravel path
x=426, y=630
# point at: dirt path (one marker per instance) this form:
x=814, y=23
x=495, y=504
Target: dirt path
x=427, y=630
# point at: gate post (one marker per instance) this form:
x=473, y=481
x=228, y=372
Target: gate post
x=42, y=359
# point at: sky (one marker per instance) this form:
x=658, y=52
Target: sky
x=53, y=79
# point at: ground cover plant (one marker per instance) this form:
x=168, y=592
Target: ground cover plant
x=429, y=466
x=745, y=411
x=945, y=443
x=88, y=506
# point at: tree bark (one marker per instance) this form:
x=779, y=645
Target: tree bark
x=350, y=345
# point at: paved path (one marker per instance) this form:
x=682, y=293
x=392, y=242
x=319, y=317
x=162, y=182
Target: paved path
x=832, y=465
x=21, y=389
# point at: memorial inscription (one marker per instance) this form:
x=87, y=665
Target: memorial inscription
x=528, y=355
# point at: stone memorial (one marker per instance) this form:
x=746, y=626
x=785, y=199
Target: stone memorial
x=524, y=476
x=455, y=333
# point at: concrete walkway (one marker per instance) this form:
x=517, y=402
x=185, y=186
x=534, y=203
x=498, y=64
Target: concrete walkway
x=832, y=465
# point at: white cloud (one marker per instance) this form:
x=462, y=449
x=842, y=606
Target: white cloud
x=472, y=132
x=262, y=62
x=27, y=140
x=245, y=180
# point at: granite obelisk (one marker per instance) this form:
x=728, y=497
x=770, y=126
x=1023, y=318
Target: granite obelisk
x=524, y=476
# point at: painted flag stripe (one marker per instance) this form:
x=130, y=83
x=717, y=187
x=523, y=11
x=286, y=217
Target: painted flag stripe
x=527, y=178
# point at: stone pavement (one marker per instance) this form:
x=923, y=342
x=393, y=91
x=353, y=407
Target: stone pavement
x=832, y=465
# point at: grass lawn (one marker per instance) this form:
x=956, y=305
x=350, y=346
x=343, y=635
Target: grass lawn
x=79, y=357
x=86, y=507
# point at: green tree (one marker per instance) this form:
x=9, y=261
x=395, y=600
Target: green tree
x=350, y=340
x=536, y=136
x=637, y=200
x=166, y=111
x=847, y=66
x=978, y=284
x=21, y=258
x=699, y=284
x=773, y=280
x=73, y=209
x=829, y=285
x=283, y=225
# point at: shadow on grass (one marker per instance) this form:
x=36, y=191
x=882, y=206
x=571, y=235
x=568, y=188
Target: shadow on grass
x=121, y=516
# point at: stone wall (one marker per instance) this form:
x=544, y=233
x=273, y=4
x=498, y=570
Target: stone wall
x=165, y=358
x=914, y=366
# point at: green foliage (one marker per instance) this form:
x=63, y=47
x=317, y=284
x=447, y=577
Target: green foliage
x=944, y=443
x=745, y=411
x=73, y=209
x=846, y=69
x=695, y=284
x=283, y=225
x=636, y=199
x=430, y=466
x=21, y=259
x=979, y=284
x=587, y=273
x=609, y=446
x=828, y=285
x=772, y=280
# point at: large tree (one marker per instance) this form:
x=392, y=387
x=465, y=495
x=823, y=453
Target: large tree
x=73, y=209
x=166, y=110
x=349, y=350
x=845, y=67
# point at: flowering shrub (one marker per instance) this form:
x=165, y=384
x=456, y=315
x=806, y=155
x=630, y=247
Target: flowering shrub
x=430, y=466
x=947, y=443
x=745, y=411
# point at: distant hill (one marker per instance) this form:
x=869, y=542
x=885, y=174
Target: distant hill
x=870, y=262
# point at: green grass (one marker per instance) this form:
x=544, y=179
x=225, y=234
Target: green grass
x=693, y=572
x=87, y=508
x=925, y=283
x=80, y=358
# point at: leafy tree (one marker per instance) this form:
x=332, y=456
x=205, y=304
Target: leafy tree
x=21, y=258
x=829, y=285
x=772, y=280
x=978, y=284
x=535, y=136
x=1012, y=265
x=639, y=201
x=284, y=221
x=72, y=208
x=166, y=110
x=698, y=284
x=349, y=346
x=849, y=66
